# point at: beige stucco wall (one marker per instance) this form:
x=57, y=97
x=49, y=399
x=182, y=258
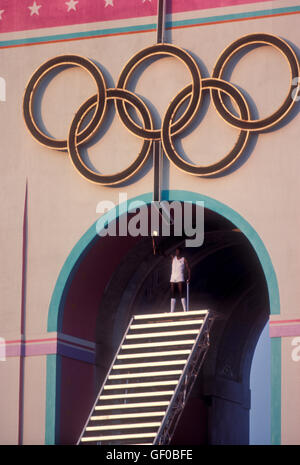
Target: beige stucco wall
x=9, y=400
x=290, y=376
x=35, y=395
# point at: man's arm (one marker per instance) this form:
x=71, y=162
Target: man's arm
x=188, y=270
x=154, y=246
x=157, y=251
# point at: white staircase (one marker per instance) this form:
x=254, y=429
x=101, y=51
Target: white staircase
x=149, y=380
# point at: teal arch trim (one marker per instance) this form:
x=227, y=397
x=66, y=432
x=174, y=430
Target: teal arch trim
x=53, y=367
x=55, y=315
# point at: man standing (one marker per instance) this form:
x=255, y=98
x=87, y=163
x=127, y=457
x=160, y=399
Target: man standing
x=177, y=279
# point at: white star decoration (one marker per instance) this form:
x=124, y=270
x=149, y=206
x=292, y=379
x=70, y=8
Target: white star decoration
x=1, y=13
x=34, y=9
x=72, y=5
x=109, y=2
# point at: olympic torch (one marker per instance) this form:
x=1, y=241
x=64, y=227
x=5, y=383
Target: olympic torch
x=154, y=234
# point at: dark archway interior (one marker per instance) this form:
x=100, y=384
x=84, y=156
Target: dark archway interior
x=227, y=278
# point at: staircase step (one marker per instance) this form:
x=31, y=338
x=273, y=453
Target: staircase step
x=169, y=315
x=157, y=344
x=137, y=394
x=148, y=364
x=128, y=415
x=125, y=426
x=153, y=354
x=162, y=334
x=146, y=375
x=140, y=385
x=133, y=405
x=167, y=324
x=118, y=437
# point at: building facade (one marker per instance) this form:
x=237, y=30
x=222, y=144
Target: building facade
x=66, y=291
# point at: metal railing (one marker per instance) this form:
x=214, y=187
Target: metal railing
x=185, y=384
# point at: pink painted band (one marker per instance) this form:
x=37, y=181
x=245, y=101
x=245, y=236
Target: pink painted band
x=17, y=15
x=49, y=346
x=285, y=330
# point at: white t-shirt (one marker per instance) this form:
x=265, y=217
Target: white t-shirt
x=177, y=274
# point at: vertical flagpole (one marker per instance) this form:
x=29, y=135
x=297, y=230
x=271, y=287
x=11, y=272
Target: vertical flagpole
x=22, y=320
x=157, y=145
x=187, y=296
x=161, y=18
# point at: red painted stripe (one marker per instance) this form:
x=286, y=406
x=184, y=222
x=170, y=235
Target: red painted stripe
x=278, y=322
x=41, y=341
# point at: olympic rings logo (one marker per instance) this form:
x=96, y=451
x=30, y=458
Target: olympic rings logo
x=172, y=124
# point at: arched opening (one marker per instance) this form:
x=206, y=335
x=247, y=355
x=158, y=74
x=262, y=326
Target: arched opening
x=115, y=277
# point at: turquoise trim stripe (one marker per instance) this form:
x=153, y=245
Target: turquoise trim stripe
x=233, y=16
x=149, y=27
x=276, y=390
x=53, y=369
x=56, y=308
x=79, y=35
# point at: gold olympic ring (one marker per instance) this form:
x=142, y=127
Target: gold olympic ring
x=134, y=62
x=289, y=102
x=34, y=82
x=171, y=125
x=233, y=155
x=116, y=94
